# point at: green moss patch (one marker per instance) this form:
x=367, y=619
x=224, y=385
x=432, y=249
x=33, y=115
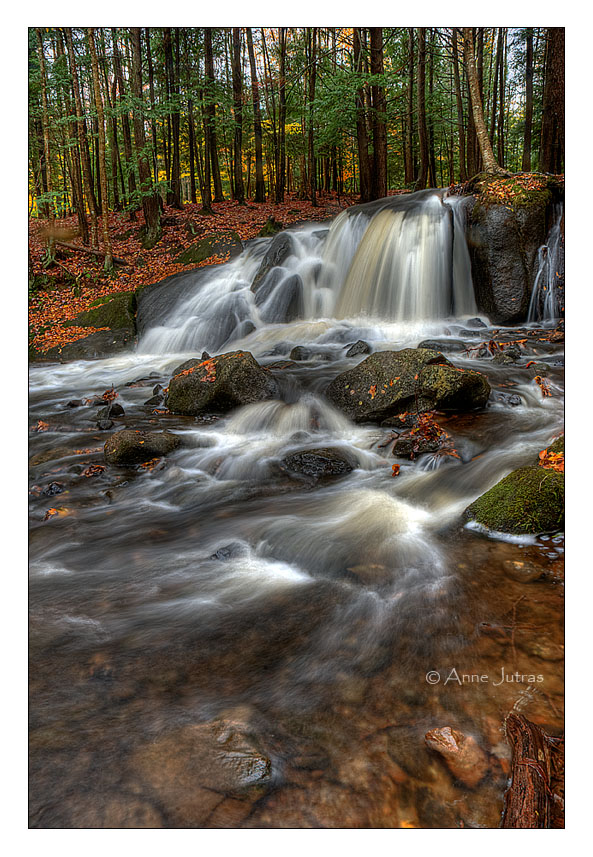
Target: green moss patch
x=116, y=313
x=527, y=501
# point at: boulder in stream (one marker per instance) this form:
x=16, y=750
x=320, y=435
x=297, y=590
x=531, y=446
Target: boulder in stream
x=130, y=446
x=220, y=384
x=529, y=500
x=388, y=383
x=461, y=753
x=329, y=462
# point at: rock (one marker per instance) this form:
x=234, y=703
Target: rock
x=218, y=244
x=557, y=446
x=279, y=250
x=410, y=446
x=191, y=770
x=117, y=312
x=113, y=409
x=156, y=302
x=129, y=446
x=360, y=347
x=102, y=343
x=462, y=754
x=319, y=463
x=299, y=352
x=280, y=299
x=503, y=243
x=388, y=383
x=443, y=345
x=528, y=500
x=230, y=551
x=475, y=323
x=74, y=403
x=105, y=425
x=52, y=489
x=271, y=227
x=523, y=571
x=538, y=369
x=220, y=384
x=155, y=401
x=511, y=399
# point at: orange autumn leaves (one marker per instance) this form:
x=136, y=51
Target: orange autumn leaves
x=552, y=460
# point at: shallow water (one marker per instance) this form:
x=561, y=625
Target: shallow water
x=212, y=584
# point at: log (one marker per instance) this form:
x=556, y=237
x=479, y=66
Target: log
x=116, y=259
x=529, y=800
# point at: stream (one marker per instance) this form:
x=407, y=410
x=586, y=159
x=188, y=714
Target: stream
x=325, y=621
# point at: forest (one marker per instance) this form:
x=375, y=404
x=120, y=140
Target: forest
x=296, y=427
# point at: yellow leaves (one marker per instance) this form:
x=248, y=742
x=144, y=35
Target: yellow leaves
x=552, y=460
x=110, y=395
x=59, y=513
x=41, y=426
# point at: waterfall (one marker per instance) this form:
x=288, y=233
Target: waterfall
x=403, y=258
x=547, y=297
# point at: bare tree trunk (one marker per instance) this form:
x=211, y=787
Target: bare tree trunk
x=364, y=165
x=211, y=108
x=260, y=187
x=526, y=163
x=459, y=100
x=101, y=148
x=45, y=121
x=379, y=116
x=311, y=146
x=552, y=135
x=422, y=133
x=490, y=163
x=281, y=171
x=150, y=202
x=125, y=125
x=409, y=150
x=238, y=116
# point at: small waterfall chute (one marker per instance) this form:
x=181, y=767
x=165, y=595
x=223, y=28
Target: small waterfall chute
x=547, y=297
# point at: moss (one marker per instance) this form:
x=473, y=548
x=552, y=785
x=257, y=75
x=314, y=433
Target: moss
x=527, y=501
x=513, y=192
x=116, y=312
x=557, y=446
x=218, y=244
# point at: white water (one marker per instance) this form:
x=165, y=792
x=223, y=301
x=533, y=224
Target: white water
x=547, y=296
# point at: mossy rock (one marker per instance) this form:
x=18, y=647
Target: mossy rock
x=271, y=227
x=526, y=502
x=558, y=446
x=128, y=446
x=389, y=383
x=116, y=312
x=218, y=244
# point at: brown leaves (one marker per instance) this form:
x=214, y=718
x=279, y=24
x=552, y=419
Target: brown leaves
x=41, y=426
x=395, y=468
x=110, y=395
x=543, y=385
x=93, y=470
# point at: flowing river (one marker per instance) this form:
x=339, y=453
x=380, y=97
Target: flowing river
x=210, y=587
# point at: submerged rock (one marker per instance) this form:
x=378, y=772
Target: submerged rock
x=529, y=500
x=462, y=754
x=131, y=446
x=279, y=250
x=443, y=345
x=388, y=383
x=102, y=343
x=220, y=384
x=319, y=463
x=299, y=352
x=360, y=347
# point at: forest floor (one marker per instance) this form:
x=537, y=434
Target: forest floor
x=77, y=280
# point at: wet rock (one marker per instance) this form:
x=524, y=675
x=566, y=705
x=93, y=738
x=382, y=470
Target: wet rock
x=280, y=300
x=388, y=383
x=523, y=571
x=461, y=753
x=410, y=446
x=445, y=346
x=113, y=409
x=220, y=384
x=191, y=770
x=476, y=323
x=528, y=500
x=105, y=425
x=231, y=551
x=319, y=463
x=279, y=250
x=116, y=312
x=155, y=401
x=102, y=343
x=538, y=368
x=52, y=489
x=557, y=446
x=299, y=352
x=360, y=347
x=128, y=447
x=74, y=403
x=511, y=399
x=281, y=364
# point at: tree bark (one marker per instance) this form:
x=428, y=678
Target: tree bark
x=45, y=123
x=101, y=149
x=125, y=124
x=211, y=111
x=529, y=799
x=379, y=116
x=421, y=95
x=281, y=168
x=311, y=143
x=238, y=116
x=526, y=163
x=459, y=100
x=260, y=187
x=150, y=202
x=409, y=150
x=490, y=163
x=552, y=134
x=364, y=164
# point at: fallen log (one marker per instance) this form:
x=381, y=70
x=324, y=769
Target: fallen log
x=529, y=802
x=76, y=247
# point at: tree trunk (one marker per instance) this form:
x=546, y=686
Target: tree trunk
x=150, y=202
x=211, y=109
x=45, y=122
x=459, y=100
x=281, y=169
x=490, y=163
x=173, y=86
x=238, y=115
x=526, y=163
x=409, y=150
x=125, y=125
x=422, y=133
x=364, y=164
x=260, y=187
x=311, y=144
x=501, y=98
x=552, y=135
x=101, y=149
x=379, y=116
x=432, y=171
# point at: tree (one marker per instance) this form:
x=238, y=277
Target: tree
x=422, y=132
x=361, y=125
x=378, y=116
x=102, y=164
x=150, y=203
x=45, y=120
x=552, y=135
x=526, y=163
x=490, y=163
x=260, y=187
x=238, y=116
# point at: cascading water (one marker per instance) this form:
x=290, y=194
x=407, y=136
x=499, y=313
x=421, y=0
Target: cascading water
x=402, y=259
x=305, y=613
x=547, y=297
